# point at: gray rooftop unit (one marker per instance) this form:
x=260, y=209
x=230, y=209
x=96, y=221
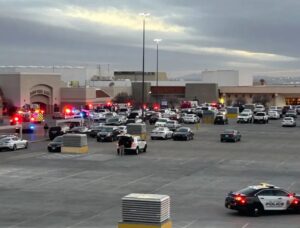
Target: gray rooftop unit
x=145, y=208
x=74, y=140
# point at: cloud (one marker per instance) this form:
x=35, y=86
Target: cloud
x=120, y=18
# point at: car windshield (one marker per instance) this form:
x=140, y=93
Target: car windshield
x=182, y=130
x=190, y=115
x=229, y=131
x=160, y=129
x=260, y=114
x=259, y=106
x=113, y=120
x=170, y=122
x=244, y=114
x=106, y=129
x=162, y=120
x=58, y=139
x=288, y=118
x=123, y=110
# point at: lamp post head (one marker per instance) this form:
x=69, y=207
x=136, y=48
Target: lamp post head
x=157, y=40
x=144, y=14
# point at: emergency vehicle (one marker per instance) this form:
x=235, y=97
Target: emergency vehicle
x=264, y=197
x=27, y=118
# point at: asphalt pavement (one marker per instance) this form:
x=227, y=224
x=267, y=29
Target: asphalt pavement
x=41, y=189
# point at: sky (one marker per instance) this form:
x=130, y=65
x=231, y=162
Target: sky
x=254, y=37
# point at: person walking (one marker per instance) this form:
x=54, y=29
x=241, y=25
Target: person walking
x=121, y=147
x=46, y=127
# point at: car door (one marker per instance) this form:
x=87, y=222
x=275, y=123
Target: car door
x=283, y=198
x=269, y=201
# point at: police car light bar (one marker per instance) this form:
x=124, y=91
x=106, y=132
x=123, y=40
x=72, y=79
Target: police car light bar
x=267, y=185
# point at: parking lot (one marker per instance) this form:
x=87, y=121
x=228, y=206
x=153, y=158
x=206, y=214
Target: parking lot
x=41, y=189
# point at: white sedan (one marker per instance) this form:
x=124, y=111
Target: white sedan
x=162, y=133
x=288, y=122
x=190, y=118
x=273, y=115
x=13, y=143
x=161, y=122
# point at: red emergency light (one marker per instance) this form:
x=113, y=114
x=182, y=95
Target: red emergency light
x=68, y=111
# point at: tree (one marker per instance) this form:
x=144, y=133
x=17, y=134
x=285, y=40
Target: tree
x=122, y=97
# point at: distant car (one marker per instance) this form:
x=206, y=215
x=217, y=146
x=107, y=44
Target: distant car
x=260, y=117
x=286, y=108
x=191, y=118
x=79, y=130
x=132, y=144
x=221, y=119
x=58, y=115
x=123, y=111
x=161, y=133
x=248, y=111
x=161, y=122
x=134, y=120
x=288, y=122
x=13, y=143
x=230, y=135
x=115, y=121
x=259, y=108
x=56, y=144
x=298, y=109
x=108, y=133
x=94, y=130
x=291, y=113
x=57, y=131
x=245, y=117
x=122, y=129
x=257, y=199
x=173, y=125
x=183, y=133
x=273, y=115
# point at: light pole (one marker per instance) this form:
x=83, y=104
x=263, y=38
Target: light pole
x=144, y=15
x=157, y=42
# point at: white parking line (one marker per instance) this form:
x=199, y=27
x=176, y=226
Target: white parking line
x=244, y=226
x=28, y=220
x=135, y=181
x=95, y=180
x=59, y=179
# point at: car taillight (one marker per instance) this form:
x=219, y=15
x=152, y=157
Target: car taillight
x=295, y=202
x=240, y=199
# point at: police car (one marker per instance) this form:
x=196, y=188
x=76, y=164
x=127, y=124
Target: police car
x=264, y=197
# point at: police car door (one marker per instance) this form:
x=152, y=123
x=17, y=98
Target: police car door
x=268, y=200
x=283, y=197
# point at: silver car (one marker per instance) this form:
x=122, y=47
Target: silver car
x=13, y=143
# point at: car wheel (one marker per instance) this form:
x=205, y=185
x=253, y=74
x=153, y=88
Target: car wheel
x=257, y=210
x=14, y=147
x=145, y=149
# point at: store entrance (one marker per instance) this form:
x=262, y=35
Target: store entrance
x=292, y=101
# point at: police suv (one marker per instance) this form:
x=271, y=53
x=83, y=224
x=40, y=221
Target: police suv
x=264, y=197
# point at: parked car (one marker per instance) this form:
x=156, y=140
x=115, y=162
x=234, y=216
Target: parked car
x=161, y=133
x=95, y=130
x=13, y=143
x=260, y=117
x=134, y=120
x=191, y=118
x=298, y=109
x=291, y=113
x=108, y=133
x=57, y=131
x=259, y=108
x=245, y=117
x=230, y=135
x=115, y=121
x=183, y=133
x=79, y=130
x=172, y=125
x=56, y=144
x=122, y=129
x=161, y=122
x=288, y=122
x=273, y=115
x=286, y=108
x=221, y=119
x=58, y=115
x=132, y=144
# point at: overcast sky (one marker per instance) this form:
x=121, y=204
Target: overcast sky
x=247, y=35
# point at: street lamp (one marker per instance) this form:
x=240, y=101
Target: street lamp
x=144, y=15
x=157, y=42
